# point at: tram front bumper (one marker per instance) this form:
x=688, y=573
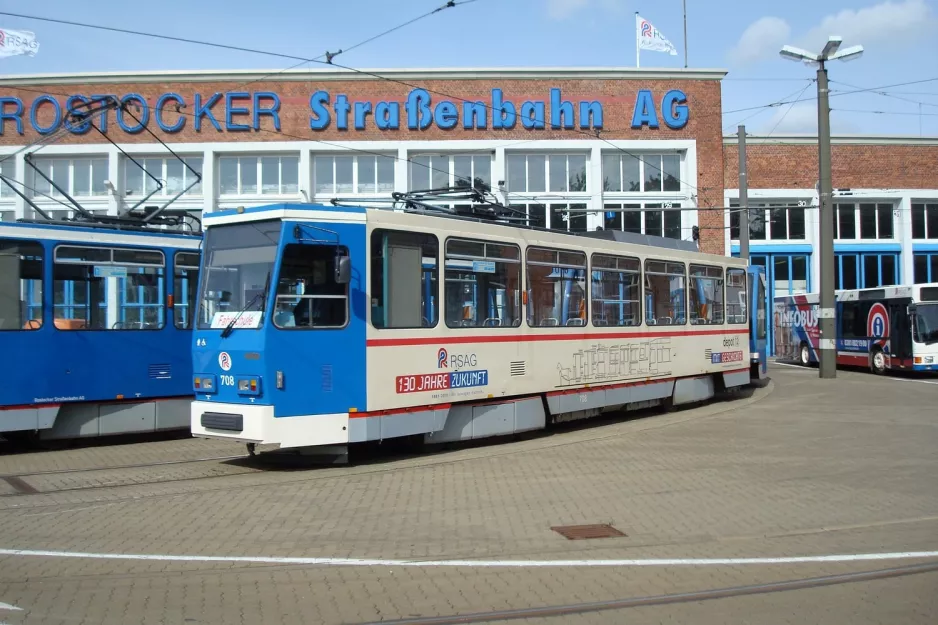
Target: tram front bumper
x=251, y=423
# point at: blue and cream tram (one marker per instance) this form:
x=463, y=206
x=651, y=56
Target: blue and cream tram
x=95, y=328
x=328, y=325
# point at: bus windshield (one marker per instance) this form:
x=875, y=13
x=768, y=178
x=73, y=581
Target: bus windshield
x=925, y=321
x=239, y=262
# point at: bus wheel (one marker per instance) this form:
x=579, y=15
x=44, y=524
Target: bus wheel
x=804, y=355
x=878, y=362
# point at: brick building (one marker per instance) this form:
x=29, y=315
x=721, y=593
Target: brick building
x=575, y=148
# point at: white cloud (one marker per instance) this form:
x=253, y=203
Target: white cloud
x=562, y=9
x=891, y=21
x=765, y=36
x=894, y=22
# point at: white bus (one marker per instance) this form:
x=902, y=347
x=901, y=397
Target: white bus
x=893, y=327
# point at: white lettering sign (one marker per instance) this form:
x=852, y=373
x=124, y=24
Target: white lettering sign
x=248, y=319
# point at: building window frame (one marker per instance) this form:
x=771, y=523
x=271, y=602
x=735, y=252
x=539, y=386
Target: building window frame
x=159, y=167
x=662, y=219
x=668, y=165
x=551, y=162
x=764, y=216
x=422, y=176
x=70, y=167
x=924, y=220
x=245, y=186
x=853, y=213
x=329, y=166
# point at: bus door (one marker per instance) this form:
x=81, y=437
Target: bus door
x=757, y=322
x=900, y=333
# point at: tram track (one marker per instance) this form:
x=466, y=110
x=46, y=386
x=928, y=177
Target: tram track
x=572, y=433
x=26, y=482
x=555, y=611
x=117, y=467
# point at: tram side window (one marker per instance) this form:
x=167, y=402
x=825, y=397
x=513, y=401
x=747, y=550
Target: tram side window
x=557, y=287
x=98, y=288
x=665, y=293
x=706, y=295
x=307, y=294
x=404, y=279
x=185, y=283
x=616, y=291
x=483, y=284
x=737, y=305
x=20, y=285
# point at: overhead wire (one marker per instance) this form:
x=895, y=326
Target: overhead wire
x=594, y=134
x=778, y=103
x=885, y=94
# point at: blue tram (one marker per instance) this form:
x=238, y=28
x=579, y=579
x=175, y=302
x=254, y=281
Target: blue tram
x=95, y=326
x=320, y=326
x=758, y=323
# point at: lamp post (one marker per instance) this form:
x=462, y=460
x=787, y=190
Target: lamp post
x=826, y=322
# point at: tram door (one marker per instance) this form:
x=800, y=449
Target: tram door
x=758, y=321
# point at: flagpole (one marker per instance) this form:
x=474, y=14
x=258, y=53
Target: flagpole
x=638, y=46
x=685, y=34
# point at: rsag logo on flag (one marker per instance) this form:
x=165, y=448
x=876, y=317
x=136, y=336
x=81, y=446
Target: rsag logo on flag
x=650, y=38
x=16, y=42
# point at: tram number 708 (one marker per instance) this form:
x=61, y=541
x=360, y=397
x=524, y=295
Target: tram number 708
x=227, y=380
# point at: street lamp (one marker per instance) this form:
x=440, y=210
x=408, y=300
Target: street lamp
x=826, y=322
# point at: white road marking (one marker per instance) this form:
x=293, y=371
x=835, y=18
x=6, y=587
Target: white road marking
x=858, y=557
x=912, y=380
x=789, y=364
x=7, y=606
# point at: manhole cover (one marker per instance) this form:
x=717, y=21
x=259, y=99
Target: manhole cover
x=582, y=532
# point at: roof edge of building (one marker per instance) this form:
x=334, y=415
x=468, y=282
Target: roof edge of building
x=859, y=139
x=467, y=73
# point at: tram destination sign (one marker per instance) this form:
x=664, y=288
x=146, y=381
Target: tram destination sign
x=242, y=111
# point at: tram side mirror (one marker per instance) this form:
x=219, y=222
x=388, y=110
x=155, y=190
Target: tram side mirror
x=343, y=269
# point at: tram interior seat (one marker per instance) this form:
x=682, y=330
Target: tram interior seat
x=492, y=322
x=576, y=321
x=549, y=322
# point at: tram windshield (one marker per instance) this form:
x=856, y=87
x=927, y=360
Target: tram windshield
x=239, y=263
x=925, y=319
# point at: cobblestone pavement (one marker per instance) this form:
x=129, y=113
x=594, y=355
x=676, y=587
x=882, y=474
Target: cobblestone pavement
x=806, y=467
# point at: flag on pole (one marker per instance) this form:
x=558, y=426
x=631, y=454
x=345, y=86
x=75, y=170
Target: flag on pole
x=16, y=42
x=650, y=38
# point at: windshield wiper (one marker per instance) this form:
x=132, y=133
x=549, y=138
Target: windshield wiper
x=260, y=296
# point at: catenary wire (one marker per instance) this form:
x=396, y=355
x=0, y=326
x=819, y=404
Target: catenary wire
x=596, y=134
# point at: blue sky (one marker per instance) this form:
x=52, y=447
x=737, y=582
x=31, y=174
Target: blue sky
x=900, y=38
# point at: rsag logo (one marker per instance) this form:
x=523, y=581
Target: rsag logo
x=224, y=361
x=877, y=325
x=445, y=360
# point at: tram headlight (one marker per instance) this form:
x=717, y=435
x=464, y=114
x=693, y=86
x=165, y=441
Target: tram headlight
x=249, y=385
x=203, y=383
